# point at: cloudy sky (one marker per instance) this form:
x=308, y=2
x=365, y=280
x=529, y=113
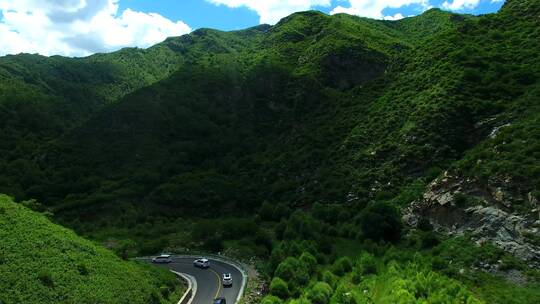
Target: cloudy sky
x=84, y=27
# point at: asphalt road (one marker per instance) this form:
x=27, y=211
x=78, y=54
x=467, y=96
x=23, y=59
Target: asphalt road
x=209, y=285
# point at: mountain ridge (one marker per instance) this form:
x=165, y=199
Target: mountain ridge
x=413, y=141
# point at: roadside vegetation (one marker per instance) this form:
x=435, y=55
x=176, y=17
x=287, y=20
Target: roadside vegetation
x=296, y=145
x=41, y=262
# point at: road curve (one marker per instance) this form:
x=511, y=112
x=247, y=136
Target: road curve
x=209, y=285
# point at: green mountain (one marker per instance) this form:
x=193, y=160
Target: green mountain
x=317, y=135
x=316, y=108
x=41, y=262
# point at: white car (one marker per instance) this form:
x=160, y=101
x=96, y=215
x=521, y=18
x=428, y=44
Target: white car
x=164, y=258
x=227, y=279
x=202, y=263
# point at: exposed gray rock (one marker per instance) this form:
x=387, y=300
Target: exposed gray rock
x=488, y=219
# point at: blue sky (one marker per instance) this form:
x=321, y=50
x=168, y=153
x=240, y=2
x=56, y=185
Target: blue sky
x=84, y=27
x=202, y=13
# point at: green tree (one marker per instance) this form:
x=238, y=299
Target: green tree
x=279, y=288
x=381, y=221
x=320, y=293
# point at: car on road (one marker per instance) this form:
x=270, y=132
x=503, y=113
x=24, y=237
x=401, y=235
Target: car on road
x=201, y=263
x=220, y=301
x=164, y=258
x=227, y=279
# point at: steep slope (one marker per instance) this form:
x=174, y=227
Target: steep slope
x=43, y=263
x=42, y=98
x=316, y=108
x=211, y=121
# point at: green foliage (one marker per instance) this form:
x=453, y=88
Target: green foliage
x=412, y=284
x=341, y=120
x=60, y=266
x=320, y=293
x=342, y=266
x=271, y=300
x=294, y=272
x=329, y=278
x=366, y=264
x=344, y=295
x=309, y=261
x=279, y=288
x=381, y=221
x=367, y=110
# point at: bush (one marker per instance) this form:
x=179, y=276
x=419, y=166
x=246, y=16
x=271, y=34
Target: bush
x=271, y=300
x=46, y=279
x=83, y=269
x=342, y=266
x=329, y=278
x=293, y=272
x=300, y=301
x=310, y=261
x=430, y=240
x=279, y=288
x=320, y=293
x=438, y=263
x=366, y=264
x=343, y=295
x=214, y=244
x=264, y=239
x=381, y=221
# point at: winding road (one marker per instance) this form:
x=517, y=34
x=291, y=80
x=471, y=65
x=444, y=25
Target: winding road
x=209, y=285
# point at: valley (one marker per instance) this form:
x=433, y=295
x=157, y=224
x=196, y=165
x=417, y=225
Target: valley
x=346, y=159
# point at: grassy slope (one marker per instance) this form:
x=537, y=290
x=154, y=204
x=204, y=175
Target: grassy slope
x=44, y=263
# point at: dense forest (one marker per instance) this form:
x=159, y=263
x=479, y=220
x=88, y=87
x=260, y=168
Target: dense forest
x=362, y=161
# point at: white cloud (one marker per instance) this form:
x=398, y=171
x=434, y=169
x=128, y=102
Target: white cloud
x=271, y=11
x=456, y=5
x=395, y=17
x=79, y=27
x=374, y=8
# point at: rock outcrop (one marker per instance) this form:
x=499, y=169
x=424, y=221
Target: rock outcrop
x=456, y=206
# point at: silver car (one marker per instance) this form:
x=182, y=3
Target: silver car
x=164, y=258
x=227, y=279
x=202, y=263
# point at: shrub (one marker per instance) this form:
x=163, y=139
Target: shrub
x=381, y=221
x=324, y=244
x=165, y=291
x=310, y=261
x=264, y=239
x=320, y=293
x=45, y=278
x=271, y=300
x=329, y=278
x=430, y=239
x=342, y=266
x=214, y=244
x=83, y=269
x=300, y=301
x=438, y=263
x=279, y=288
x=343, y=295
x=293, y=272
x=366, y=264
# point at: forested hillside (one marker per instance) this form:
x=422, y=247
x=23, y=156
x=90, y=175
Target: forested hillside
x=43, y=263
x=365, y=151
